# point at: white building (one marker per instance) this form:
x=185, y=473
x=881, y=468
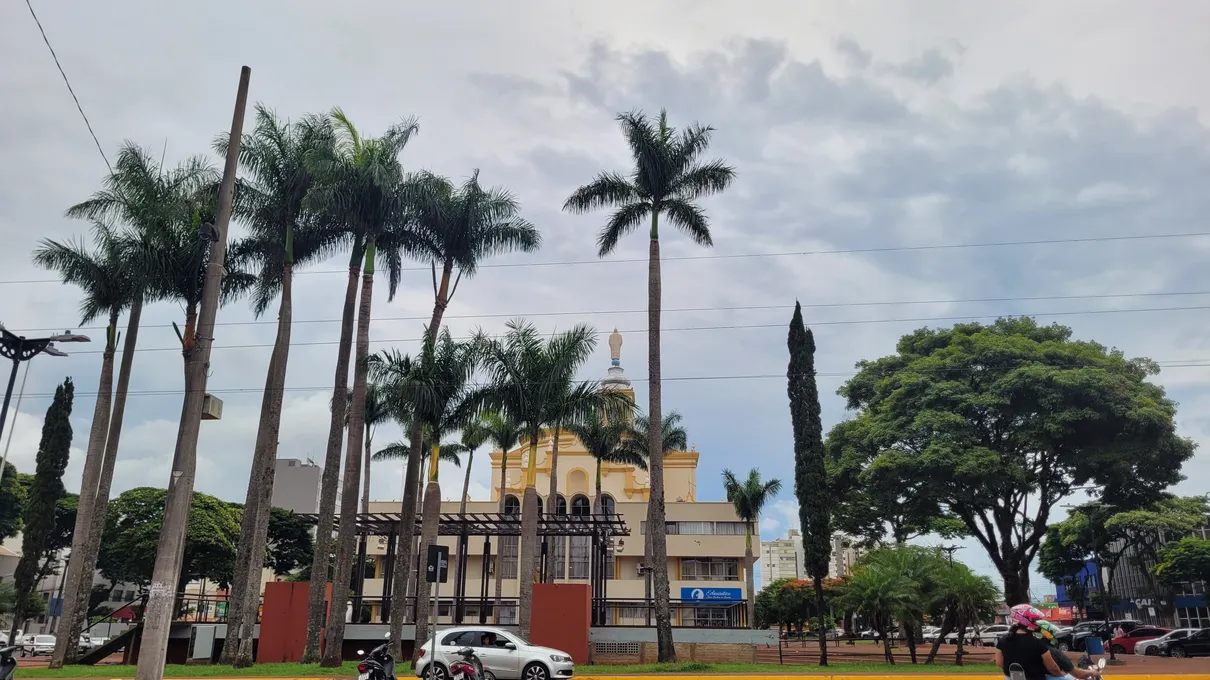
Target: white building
x=784, y=557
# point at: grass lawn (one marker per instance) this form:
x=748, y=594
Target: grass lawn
x=349, y=669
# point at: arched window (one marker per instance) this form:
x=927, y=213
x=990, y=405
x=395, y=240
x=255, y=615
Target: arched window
x=561, y=506
x=539, y=506
x=580, y=506
x=512, y=506
x=608, y=506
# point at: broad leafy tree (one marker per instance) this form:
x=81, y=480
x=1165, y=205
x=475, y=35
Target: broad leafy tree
x=997, y=423
x=1186, y=560
x=668, y=180
x=749, y=497
x=810, y=467
x=42, y=503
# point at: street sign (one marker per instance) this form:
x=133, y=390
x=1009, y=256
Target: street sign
x=439, y=564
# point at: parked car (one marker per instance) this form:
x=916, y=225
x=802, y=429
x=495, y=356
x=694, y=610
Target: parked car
x=37, y=645
x=1124, y=644
x=1074, y=639
x=1149, y=647
x=989, y=636
x=930, y=633
x=504, y=654
x=1196, y=644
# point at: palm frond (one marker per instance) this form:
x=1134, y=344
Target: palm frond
x=690, y=219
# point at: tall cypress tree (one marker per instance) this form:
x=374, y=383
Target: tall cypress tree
x=810, y=473
x=40, y=506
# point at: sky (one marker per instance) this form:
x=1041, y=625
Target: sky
x=872, y=129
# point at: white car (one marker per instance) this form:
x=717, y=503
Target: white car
x=505, y=656
x=1142, y=648
x=37, y=645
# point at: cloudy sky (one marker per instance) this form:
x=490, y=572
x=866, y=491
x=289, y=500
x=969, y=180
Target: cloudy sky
x=870, y=129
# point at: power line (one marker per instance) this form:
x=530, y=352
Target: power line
x=737, y=308
x=846, y=322
x=68, y=83
x=1179, y=363
x=789, y=253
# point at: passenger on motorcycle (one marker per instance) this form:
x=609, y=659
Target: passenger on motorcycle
x=1022, y=648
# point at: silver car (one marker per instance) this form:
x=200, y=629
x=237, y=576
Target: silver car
x=505, y=656
x=1147, y=647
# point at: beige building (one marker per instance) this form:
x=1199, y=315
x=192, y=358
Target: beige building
x=705, y=538
x=784, y=558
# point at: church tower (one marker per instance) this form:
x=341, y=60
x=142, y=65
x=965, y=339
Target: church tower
x=616, y=378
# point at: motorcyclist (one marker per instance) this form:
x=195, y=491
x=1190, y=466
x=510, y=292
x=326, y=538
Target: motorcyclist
x=1020, y=653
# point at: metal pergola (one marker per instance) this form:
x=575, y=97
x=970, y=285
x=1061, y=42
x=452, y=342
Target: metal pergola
x=601, y=528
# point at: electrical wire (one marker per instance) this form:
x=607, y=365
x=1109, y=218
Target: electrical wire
x=844, y=322
x=68, y=83
x=676, y=310
x=790, y=253
x=1174, y=364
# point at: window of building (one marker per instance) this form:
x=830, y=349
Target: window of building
x=577, y=567
x=608, y=505
x=561, y=506
x=709, y=569
x=557, y=558
x=509, y=553
x=708, y=617
x=539, y=505
x=512, y=506
x=1193, y=617
x=580, y=506
x=700, y=528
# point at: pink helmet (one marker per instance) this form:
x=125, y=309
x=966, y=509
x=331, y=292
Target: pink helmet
x=1026, y=615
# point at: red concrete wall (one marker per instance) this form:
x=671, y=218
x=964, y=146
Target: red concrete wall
x=562, y=615
x=283, y=623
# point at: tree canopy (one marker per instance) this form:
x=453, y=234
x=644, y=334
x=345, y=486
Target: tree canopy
x=1185, y=560
x=992, y=425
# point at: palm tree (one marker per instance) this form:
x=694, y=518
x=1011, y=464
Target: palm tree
x=282, y=236
x=667, y=180
x=878, y=592
x=504, y=433
x=361, y=186
x=923, y=567
x=603, y=439
x=148, y=200
x=969, y=597
x=528, y=381
x=105, y=276
x=474, y=435
x=749, y=498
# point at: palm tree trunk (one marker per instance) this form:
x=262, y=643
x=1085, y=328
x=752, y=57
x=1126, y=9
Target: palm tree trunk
x=94, y=460
x=749, y=580
x=430, y=519
x=886, y=639
x=346, y=551
x=552, y=503
x=250, y=558
x=655, y=448
x=529, y=542
x=499, y=586
x=596, y=496
x=947, y=626
x=407, y=534
x=909, y=630
x=960, y=651
x=466, y=485
x=823, y=629
x=321, y=561
x=365, y=482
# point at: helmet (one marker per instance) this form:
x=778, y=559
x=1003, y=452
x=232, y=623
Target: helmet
x=1048, y=631
x=1026, y=615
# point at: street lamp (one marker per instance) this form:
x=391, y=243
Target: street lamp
x=20, y=348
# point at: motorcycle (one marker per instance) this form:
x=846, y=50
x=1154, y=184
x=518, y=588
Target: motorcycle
x=379, y=665
x=470, y=667
x=8, y=664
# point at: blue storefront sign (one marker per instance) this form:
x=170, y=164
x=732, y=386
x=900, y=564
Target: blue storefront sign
x=713, y=594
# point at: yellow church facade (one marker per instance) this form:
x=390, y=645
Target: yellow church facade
x=705, y=538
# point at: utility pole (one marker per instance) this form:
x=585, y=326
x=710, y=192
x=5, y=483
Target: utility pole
x=161, y=601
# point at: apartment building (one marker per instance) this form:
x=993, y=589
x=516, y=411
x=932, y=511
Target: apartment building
x=296, y=485
x=784, y=557
x=705, y=538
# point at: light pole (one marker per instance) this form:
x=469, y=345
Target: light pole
x=19, y=348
